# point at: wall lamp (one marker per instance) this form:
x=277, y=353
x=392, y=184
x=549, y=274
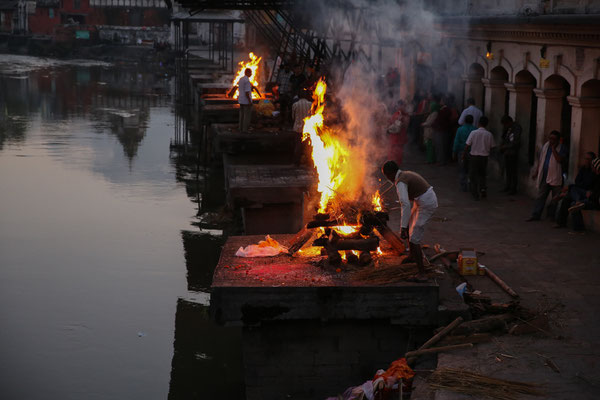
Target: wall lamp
x=489, y=55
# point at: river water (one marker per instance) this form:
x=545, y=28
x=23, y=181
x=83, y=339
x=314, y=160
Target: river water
x=102, y=271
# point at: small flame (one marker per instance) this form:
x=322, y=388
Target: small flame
x=253, y=65
x=377, y=201
x=379, y=252
x=310, y=251
x=356, y=252
x=328, y=153
x=346, y=229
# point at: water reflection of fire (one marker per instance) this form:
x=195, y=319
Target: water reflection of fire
x=253, y=64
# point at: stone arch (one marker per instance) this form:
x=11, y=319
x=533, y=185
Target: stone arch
x=591, y=88
x=555, y=76
x=530, y=67
x=525, y=77
x=455, y=80
x=459, y=57
x=476, y=69
x=474, y=84
x=586, y=121
x=499, y=74
x=505, y=63
x=482, y=60
x=557, y=109
x=568, y=75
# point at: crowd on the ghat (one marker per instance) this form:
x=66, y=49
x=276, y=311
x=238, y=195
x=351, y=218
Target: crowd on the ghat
x=434, y=123
x=447, y=135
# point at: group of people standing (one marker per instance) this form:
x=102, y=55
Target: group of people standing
x=295, y=94
x=466, y=139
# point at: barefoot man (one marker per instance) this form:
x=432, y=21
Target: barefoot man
x=412, y=187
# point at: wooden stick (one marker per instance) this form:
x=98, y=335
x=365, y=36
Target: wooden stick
x=319, y=224
x=438, y=255
x=369, y=244
x=299, y=240
x=391, y=237
x=500, y=282
x=474, y=338
x=438, y=336
x=433, y=350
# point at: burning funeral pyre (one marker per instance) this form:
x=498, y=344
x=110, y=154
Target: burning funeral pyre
x=253, y=64
x=346, y=221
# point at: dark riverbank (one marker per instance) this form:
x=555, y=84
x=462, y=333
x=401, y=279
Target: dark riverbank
x=146, y=56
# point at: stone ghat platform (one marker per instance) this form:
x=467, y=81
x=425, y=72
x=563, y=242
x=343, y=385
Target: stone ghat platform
x=221, y=99
x=250, y=291
x=260, y=146
x=215, y=113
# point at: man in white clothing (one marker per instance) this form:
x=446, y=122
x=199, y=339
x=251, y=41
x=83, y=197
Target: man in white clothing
x=470, y=110
x=245, y=100
x=411, y=186
x=478, y=146
x=301, y=110
x=548, y=173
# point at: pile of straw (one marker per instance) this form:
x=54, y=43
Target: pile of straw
x=386, y=273
x=480, y=386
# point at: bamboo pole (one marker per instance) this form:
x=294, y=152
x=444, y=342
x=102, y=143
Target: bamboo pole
x=437, y=337
x=500, y=282
x=433, y=350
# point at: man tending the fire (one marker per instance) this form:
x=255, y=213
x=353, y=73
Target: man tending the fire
x=411, y=186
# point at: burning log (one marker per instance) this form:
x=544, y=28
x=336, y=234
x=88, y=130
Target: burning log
x=351, y=258
x=370, y=244
x=374, y=219
x=299, y=240
x=365, y=258
x=333, y=256
x=391, y=237
x=321, y=223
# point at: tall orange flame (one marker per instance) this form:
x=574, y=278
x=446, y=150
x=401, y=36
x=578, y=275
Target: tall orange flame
x=328, y=153
x=376, y=201
x=253, y=64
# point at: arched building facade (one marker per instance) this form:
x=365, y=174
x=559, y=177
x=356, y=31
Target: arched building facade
x=543, y=71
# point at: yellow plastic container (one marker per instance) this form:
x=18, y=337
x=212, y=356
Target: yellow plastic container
x=467, y=262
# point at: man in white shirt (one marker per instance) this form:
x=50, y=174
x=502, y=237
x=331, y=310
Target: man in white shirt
x=411, y=186
x=301, y=110
x=245, y=100
x=478, y=146
x=470, y=110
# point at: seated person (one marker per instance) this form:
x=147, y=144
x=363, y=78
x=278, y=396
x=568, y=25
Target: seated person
x=584, y=193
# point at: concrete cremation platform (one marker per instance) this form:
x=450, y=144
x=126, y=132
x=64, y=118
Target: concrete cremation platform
x=259, y=146
x=214, y=88
x=218, y=99
x=214, y=113
x=249, y=291
x=271, y=196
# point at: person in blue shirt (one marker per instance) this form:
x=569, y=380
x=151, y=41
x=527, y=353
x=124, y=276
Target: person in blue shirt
x=462, y=133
